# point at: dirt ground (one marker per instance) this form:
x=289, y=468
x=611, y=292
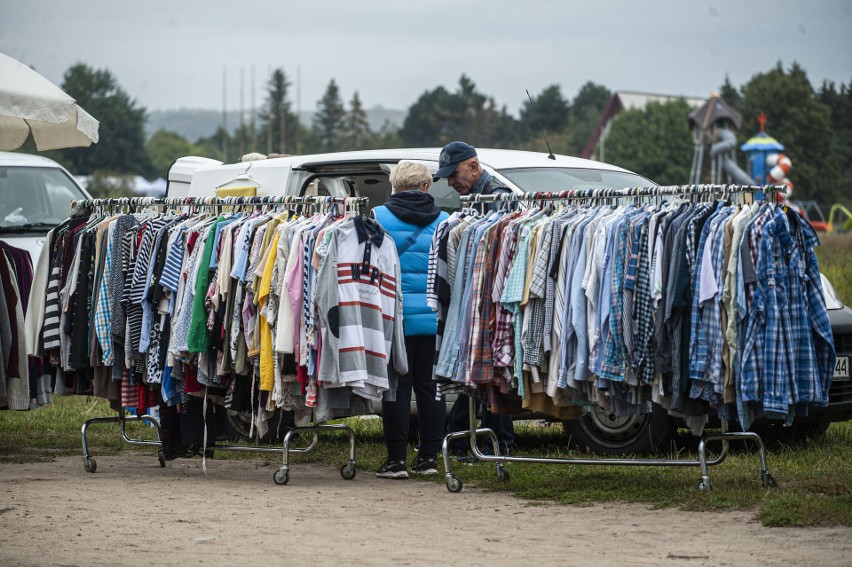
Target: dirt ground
x=132, y=512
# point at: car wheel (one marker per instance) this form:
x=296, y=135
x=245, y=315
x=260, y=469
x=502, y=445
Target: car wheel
x=774, y=433
x=604, y=433
x=238, y=424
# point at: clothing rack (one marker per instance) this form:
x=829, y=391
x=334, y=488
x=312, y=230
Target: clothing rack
x=353, y=203
x=282, y=475
x=454, y=484
x=610, y=193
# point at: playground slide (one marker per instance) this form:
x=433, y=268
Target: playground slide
x=724, y=149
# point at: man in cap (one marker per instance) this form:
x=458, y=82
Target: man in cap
x=460, y=165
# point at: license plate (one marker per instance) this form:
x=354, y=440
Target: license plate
x=841, y=368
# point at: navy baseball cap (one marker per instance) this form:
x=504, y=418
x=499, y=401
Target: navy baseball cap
x=453, y=154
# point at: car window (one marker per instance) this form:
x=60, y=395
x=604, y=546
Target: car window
x=31, y=195
x=556, y=179
x=446, y=198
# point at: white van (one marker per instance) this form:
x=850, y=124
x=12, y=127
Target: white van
x=35, y=196
x=365, y=174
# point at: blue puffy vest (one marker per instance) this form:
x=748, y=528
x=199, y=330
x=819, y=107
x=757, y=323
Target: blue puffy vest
x=418, y=317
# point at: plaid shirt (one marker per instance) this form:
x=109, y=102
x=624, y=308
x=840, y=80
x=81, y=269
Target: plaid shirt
x=614, y=356
x=480, y=365
x=103, y=309
x=788, y=357
x=643, y=313
x=503, y=340
x=705, y=367
x=533, y=336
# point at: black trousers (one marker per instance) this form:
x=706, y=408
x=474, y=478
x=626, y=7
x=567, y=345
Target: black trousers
x=431, y=413
x=459, y=420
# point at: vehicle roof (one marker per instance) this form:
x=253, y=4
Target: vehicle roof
x=28, y=160
x=494, y=158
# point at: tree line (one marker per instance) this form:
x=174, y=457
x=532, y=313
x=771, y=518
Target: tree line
x=815, y=126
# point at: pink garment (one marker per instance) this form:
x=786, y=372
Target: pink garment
x=295, y=293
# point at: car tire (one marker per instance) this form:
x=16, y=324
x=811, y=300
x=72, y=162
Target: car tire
x=604, y=433
x=774, y=434
x=238, y=424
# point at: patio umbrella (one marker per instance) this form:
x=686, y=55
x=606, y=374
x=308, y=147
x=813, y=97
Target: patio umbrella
x=31, y=103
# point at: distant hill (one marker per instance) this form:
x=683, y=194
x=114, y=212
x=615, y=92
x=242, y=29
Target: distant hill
x=195, y=123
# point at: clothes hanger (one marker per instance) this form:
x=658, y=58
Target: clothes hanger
x=244, y=176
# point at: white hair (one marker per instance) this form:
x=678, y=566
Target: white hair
x=410, y=175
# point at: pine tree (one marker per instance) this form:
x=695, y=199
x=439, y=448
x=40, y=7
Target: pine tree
x=357, y=127
x=330, y=118
x=279, y=125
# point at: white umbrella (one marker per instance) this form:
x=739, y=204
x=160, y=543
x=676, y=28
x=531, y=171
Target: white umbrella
x=31, y=103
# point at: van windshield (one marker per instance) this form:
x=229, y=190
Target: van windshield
x=36, y=198
x=557, y=179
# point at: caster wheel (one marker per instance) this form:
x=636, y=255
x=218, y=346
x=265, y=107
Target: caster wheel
x=90, y=464
x=281, y=477
x=454, y=484
x=769, y=481
x=347, y=471
x=161, y=457
x=703, y=486
x=503, y=475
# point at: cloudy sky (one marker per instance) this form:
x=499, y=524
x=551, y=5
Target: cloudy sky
x=173, y=54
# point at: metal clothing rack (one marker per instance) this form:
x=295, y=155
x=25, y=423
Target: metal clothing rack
x=454, y=484
x=282, y=475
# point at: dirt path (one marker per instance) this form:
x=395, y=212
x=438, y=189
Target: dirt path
x=132, y=512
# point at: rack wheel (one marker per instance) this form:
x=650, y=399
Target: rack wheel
x=454, y=484
x=161, y=457
x=703, y=486
x=769, y=480
x=281, y=477
x=348, y=470
x=502, y=474
x=90, y=464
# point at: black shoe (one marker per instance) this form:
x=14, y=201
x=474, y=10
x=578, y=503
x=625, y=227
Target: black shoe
x=392, y=469
x=175, y=453
x=424, y=466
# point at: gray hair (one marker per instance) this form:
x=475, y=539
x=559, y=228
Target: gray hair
x=410, y=176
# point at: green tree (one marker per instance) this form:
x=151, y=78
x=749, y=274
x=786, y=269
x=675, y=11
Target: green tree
x=548, y=111
x=585, y=113
x=839, y=102
x=654, y=142
x=211, y=146
x=279, y=126
x=122, y=125
x=164, y=148
x=438, y=117
x=330, y=118
x=356, y=130
x=798, y=120
x=731, y=95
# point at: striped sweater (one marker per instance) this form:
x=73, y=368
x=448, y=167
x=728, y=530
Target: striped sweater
x=359, y=303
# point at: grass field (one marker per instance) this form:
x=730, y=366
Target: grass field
x=814, y=479
x=835, y=261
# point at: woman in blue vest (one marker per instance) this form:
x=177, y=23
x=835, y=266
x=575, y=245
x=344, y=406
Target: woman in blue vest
x=410, y=217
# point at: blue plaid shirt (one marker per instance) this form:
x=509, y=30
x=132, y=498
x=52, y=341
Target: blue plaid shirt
x=788, y=357
x=705, y=362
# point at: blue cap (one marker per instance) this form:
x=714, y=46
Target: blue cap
x=453, y=154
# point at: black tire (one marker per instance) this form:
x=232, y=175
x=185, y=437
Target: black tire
x=605, y=434
x=238, y=424
x=774, y=434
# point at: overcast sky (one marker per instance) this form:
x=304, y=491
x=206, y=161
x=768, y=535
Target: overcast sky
x=171, y=54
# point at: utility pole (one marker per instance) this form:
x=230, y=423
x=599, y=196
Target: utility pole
x=224, y=113
x=242, y=114
x=253, y=115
